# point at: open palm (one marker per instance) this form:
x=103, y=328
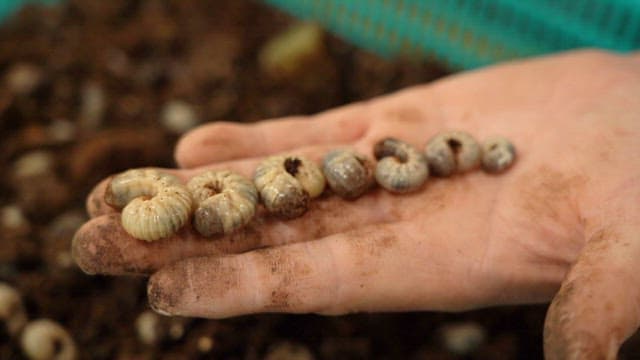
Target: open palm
x=565, y=213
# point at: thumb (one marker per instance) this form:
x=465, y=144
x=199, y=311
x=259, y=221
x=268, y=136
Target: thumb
x=598, y=305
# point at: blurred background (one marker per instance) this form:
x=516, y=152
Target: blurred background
x=89, y=88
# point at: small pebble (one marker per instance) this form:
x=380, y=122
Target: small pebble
x=44, y=339
x=12, y=218
x=498, y=153
x=12, y=310
x=23, y=78
x=148, y=328
x=60, y=131
x=179, y=117
x=205, y=344
x=34, y=163
x=93, y=106
x=463, y=338
x=288, y=351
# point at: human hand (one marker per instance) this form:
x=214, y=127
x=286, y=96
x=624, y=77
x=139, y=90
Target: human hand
x=565, y=214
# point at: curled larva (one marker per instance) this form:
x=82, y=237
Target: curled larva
x=44, y=339
x=154, y=204
x=401, y=168
x=286, y=183
x=224, y=202
x=452, y=152
x=498, y=153
x=348, y=173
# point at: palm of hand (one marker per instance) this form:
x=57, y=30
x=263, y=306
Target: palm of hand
x=464, y=242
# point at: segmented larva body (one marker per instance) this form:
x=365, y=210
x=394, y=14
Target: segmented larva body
x=401, y=168
x=154, y=204
x=452, y=152
x=224, y=201
x=348, y=173
x=287, y=183
x=498, y=153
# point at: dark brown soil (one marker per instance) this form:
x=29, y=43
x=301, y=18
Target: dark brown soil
x=86, y=83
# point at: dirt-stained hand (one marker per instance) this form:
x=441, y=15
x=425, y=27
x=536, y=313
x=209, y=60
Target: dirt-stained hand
x=563, y=221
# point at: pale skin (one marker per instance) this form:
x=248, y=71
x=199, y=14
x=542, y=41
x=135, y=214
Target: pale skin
x=561, y=225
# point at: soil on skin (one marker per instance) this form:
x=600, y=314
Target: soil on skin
x=86, y=83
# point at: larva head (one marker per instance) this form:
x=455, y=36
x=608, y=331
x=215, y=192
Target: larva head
x=126, y=186
x=307, y=173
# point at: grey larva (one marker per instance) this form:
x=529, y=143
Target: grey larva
x=154, y=204
x=498, y=153
x=348, y=173
x=401, y=168
x=224, y=201
x=452, y=152
x=286, y=183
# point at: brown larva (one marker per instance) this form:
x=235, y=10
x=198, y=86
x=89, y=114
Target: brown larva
x=287, y=183
x=45, y=339
x=155, y=204
x=498, y=153
x=401, y=168
x=452, y=152
x=224, y=202
x=348, y=173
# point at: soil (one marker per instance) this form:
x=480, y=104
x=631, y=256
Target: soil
x=82, y=94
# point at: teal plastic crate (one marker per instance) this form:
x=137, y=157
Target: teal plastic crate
x=465, y=33
x=471, y=33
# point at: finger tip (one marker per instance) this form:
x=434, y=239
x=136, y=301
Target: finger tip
x=162, y=293
x=92, y=246
x=82, y=252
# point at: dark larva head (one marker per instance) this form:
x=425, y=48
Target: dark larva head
x=348, y=174
x=452, y=152
x=498, y=153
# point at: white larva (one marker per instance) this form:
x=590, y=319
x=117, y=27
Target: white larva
x=401, y=168
x=44, y=339
x=286, y=183
x=154, y=204
x=224, y=202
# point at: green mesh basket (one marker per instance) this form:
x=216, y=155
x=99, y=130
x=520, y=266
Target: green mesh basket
x=466, y=33
x=470, y=33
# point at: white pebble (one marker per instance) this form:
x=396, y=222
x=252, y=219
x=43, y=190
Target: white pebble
x=93, y=106
x=179, y=117
x=148, y=328
x=35, y=163
x=12, y=218
x=61, y=130
x=463, y=338
x=12, y=310
x=23, y=78
x=205, y=344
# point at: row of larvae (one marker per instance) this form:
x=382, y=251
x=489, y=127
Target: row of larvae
x=402, y=168
x=40, y=339
x=155, y=205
